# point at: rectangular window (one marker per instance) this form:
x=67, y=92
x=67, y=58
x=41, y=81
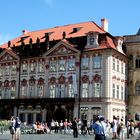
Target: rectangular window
x=52, y=91
x=61, y=93
x=122, y=68
x=6, y=93
x=41, y=67
x=97, y=62
x=96, y=89
x=31, y=91
x=85, y=63
x=70, y=90
x=32, y=67
x=1, y=71
x=91, y=40
x=138, y=89
x=122, y=93
x=114, y=64
x=113, y=91
x=71, y=64
x=23, y=91
x=7, y=70
x=53, y=65
x=117, y=91
x=13, y=92
x=24, y=68
x=40, y=91
x=62, y=65
x=118, y=66
x=85, y=90
x=13, y=69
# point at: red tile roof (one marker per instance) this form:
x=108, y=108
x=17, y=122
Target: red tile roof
x=56, y=33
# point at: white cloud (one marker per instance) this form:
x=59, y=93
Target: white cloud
x=49, y=2
x=4, y=38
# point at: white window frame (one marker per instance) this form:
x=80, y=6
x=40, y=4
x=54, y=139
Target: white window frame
x=70, y=90
x=96, y=89
x=71, y=64
x=52, y=88
x=85, y=90
x=113, y=91
x=85, y=62
x=53, y=65
x=97, y=60
x=62, y=65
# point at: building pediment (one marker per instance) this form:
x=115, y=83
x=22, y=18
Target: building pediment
x=8, y=55
x=62, y=48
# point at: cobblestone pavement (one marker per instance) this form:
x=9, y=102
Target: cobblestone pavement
x=7, y=136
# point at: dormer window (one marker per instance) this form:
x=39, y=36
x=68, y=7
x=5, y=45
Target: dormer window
x=92, y=40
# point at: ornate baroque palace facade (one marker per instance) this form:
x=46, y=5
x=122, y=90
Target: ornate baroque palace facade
x=76, y=70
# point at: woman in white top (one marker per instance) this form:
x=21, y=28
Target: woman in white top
x=114, y=128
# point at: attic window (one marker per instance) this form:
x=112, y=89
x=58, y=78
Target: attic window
x=76, y=29
x=92, y=40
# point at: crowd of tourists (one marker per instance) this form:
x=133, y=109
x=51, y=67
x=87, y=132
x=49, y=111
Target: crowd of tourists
x=100, y=129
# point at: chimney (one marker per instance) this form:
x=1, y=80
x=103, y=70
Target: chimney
x=25, y=32
x=104, y=24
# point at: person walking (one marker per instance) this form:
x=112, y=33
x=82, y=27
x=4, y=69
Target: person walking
x=17, y=129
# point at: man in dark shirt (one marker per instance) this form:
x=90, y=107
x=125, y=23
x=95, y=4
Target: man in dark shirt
x=75, y=128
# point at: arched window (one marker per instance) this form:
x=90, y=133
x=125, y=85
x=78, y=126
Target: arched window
x=137, y=62
x=138, y=88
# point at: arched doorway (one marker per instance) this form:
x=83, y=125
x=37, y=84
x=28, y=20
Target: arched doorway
x=60, y=114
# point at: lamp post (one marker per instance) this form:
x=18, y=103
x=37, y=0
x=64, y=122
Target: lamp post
x=79, y=92
x=19, y=69
x=127, y=123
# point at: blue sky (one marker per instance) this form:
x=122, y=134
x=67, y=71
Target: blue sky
x=16, y=15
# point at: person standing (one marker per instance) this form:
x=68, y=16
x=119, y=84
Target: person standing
x=114, y=127
x=122, y=130
x=99, y=130
x=17, y=128
x=75, y=128
x=12, y=127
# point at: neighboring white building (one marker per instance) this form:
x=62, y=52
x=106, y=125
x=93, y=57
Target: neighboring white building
x=76, y=70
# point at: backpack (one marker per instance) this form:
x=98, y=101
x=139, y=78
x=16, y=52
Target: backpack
x=12, y=130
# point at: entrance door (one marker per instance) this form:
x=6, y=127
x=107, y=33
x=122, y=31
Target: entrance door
x=60, y=114
x=30, y=118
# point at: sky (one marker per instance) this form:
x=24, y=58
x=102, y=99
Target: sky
x=32, y=15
